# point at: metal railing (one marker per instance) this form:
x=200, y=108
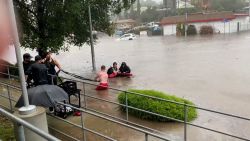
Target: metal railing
x=186, y=107
x=11, y=100
x=125, y=122
x=21, y=124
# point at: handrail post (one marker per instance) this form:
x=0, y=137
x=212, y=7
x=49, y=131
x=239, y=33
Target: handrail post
x=8, y=71
x=126, y=95
x=9, y=96
x=185, y=121
x=20, y=132
x=52, y=79
x=84, y=95
x=146, y=136
x=83, y=127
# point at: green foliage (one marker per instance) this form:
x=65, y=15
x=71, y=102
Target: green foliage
x=150, y=15
x=182, y=11
x=14, y=70
x=228, y=5
x=47, y=24
x=147, y=3
x=191, y=30
x=206, y=30
x=6, y=130
x=156, y=106
x=180, y=29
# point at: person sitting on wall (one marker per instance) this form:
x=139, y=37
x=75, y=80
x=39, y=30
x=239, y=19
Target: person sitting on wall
x=38, y=71
x=102, y=77
x=124, y=70
x=113, y=71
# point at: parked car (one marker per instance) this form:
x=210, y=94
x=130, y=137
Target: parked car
x=129, y=36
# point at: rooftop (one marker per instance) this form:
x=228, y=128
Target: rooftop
x=201, y=17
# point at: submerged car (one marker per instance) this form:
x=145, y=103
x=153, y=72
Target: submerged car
x=129, y=36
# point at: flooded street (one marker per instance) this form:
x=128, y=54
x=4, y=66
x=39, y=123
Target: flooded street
x=213, y=72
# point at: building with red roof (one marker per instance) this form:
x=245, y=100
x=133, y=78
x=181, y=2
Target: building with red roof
x=222, y=22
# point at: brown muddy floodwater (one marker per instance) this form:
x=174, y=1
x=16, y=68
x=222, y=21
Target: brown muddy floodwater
x=213, y=72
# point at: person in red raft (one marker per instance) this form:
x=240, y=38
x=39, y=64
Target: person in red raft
x=102, y=77
x=124, y=70
x=113, y=71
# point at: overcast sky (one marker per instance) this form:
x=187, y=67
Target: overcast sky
x=158, y=0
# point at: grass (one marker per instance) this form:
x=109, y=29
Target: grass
x=6, y=130
x=156, y=106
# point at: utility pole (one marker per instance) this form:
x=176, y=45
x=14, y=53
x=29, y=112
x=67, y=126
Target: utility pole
x=91, y=40
x=27, y=109
x=186, y=18
x=249, y=11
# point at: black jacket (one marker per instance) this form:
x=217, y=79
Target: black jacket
x=39, y=73
x=124, y=69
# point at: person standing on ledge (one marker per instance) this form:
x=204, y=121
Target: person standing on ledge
x=102, y=77
x=51, y=63
x=26, y=64
x=38, y=71
x=27, y=61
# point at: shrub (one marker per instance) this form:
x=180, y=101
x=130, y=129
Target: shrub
x=156, y=106
x=191, y=30
x=180, y=29
x=206, y=30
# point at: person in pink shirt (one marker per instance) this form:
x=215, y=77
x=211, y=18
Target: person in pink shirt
x=102, y=77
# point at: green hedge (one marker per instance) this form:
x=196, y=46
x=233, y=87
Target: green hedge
x=206, y=30
x=191, y=30
x=156, y=106
x=180, y=29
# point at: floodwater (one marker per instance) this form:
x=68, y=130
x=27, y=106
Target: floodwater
x=211, y=71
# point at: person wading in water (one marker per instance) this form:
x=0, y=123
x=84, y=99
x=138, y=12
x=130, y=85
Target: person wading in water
x=102, y=77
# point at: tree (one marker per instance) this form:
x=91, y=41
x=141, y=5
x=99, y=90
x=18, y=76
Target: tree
x=132, y=13
x=150, y=15
x=147, y=3
x=48, y=24
x=138, y=9
x=228, y=5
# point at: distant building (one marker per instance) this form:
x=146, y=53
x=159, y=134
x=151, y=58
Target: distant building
x=171, y=4
x=125, y=24
x=222, y=22
x=182, y=4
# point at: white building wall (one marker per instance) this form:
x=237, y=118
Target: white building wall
x=220, y=27
x=169, y=29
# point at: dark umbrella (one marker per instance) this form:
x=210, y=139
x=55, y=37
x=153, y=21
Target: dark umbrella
x=44, y=95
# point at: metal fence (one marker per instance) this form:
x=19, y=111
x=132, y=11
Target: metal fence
x=21, y=124
x=125, y=122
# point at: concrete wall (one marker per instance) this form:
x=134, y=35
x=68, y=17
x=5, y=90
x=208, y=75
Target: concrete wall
x=220, y=27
